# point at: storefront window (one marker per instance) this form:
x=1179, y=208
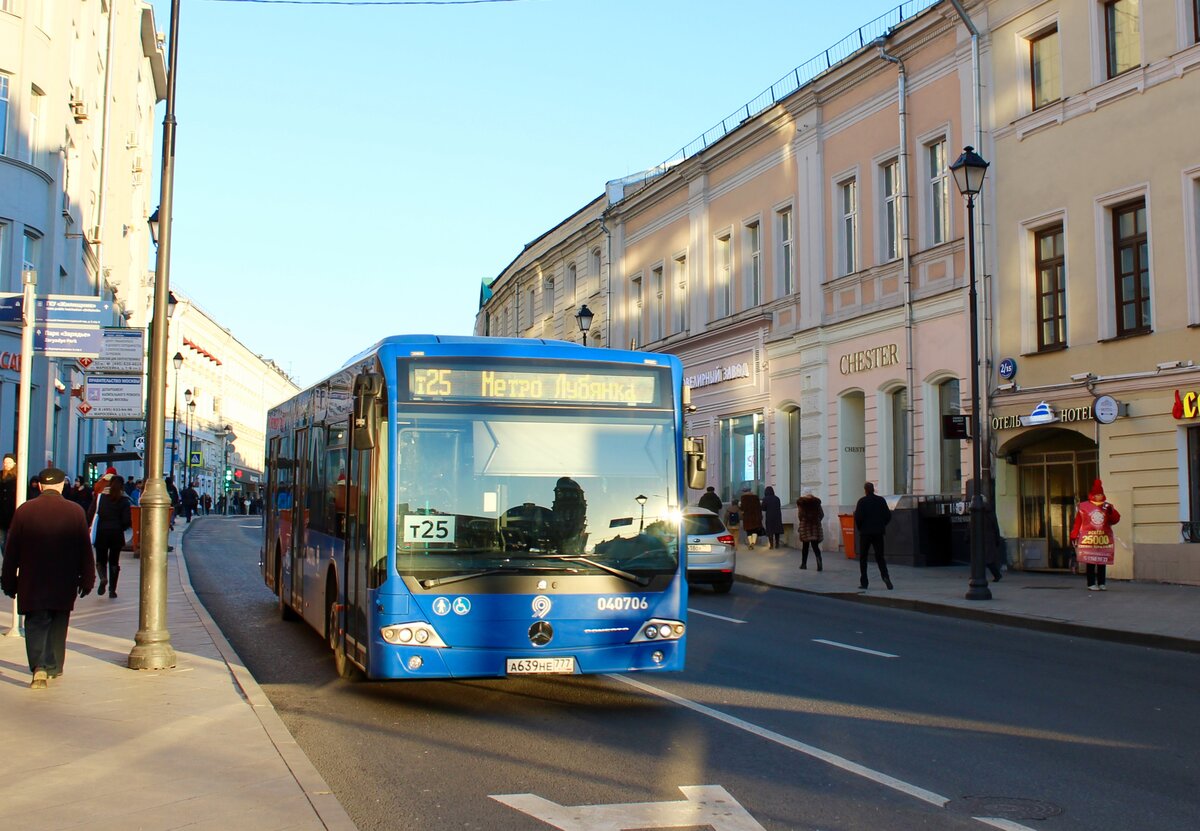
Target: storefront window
x=951, y=461
x=742, y=454
x=899, y=400
x=1191, y=530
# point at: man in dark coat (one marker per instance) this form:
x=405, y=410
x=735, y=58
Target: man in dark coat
x=8, y=495
x=871, y=516
x=711, y=501
x=189, y=499
x=47, y=562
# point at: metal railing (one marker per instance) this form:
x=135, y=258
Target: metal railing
x=785, y=86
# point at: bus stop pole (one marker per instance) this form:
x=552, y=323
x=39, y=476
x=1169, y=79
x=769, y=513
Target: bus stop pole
x=23, y=396
x=152, y=644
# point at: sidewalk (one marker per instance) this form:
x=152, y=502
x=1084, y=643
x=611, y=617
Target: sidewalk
x=1147, y=614
x=105, y=747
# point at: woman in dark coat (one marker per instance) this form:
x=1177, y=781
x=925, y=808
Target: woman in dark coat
x=752, y=519
x=115, y=516
x=809, y=529
x=773, y=517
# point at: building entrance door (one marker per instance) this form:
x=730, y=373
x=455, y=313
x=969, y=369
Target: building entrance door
x=1051, y=486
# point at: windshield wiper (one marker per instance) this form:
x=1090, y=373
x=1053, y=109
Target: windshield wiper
x=434, y=582
x=576, y=558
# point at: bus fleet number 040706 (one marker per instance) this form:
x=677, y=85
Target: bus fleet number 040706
x=621, y=604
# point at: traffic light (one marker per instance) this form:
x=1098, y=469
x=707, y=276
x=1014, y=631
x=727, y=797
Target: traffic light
x=228, y=474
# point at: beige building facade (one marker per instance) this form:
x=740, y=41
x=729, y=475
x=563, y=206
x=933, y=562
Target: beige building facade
x=1097, y=227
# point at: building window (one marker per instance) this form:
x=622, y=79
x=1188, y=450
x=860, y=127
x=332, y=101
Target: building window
x=3, y=114
x=950, y=473
x=753, y=237
x=35, y=152
x=594, y=272
x=1192, y=529
x=795, y=477
x=783, y=221
x=635, y=310
x=657, y=303
x=724, y=277
x=530, y=297
x=848, y=227
x=1196, y=21
x=29, y=254
x=570, y=284
x=891, y=210
x=1131, y=267
x=1045, y=73
x=1122, y=36
x=899, y=404
x=939, y=192
x=743, y=449
x=679, y=297
x=548, y=297
x=487, y=324
x=1051, y=269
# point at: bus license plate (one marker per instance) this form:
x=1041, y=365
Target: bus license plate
x=540, y=666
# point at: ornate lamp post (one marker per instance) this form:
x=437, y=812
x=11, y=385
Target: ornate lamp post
x=187, y=457
x=969, y=170
x=584, y=319
x=152, y=644
x=178, y=362
x=640, y=499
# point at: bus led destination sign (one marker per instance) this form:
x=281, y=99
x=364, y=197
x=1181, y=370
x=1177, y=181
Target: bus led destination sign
x=531, y=386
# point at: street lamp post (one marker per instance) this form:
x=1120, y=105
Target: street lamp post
x=188, y=422
x=152, y=647
x=969, y=170
x=641, y=501
x=584, y=319
x=178, y=362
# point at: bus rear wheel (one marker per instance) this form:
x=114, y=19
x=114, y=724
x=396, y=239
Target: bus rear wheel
x=345, y=668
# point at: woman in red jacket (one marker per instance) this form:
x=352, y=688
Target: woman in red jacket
x=1092, y=536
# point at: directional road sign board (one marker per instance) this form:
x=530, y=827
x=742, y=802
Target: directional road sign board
x=121, y=350
x=112, y=396
x=65, y=340
x=10, y=307
x=71, y=308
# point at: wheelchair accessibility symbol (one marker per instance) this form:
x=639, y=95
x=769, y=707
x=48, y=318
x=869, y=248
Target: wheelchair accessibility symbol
x=461, y=605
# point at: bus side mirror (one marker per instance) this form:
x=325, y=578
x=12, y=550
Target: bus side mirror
x=368, y=388
x=696, y=462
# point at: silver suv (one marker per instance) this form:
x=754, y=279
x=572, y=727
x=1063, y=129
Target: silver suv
x=711, y=554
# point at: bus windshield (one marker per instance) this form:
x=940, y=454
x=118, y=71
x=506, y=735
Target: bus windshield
x=531, y=491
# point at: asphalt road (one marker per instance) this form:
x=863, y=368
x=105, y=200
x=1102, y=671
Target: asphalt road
x=799, y=712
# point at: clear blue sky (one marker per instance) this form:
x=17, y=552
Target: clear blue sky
x=344, y=173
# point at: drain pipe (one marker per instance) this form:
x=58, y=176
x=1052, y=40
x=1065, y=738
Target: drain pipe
x=981, y=211
x=906, y=255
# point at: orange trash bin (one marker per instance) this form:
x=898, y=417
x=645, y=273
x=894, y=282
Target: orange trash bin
x=135, y=516
x=847, y=522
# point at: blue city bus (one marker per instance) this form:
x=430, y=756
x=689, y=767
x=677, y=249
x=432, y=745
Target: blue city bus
x=455, y=507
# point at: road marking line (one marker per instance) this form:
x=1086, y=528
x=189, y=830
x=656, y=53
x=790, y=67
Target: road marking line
x=710, y=806
x=692, y=611
x=1002, y=824
x=855, y=648
x=807, y=749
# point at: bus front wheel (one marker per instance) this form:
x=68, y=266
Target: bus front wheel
x=346, y=669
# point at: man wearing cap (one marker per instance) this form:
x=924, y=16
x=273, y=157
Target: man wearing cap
x=47, y=562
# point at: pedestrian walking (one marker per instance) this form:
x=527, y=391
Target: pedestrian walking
x=206, y=502
x=750, y=507
x=47, y=562
x=711, y=500
x=871, y=517
x=1092, y=536
x=810, y=529
x=772, y=517
x=133, y=489
x=8, y=495
x=733, y=521
x=110, y=515
x=189, y=499
x=172, y=492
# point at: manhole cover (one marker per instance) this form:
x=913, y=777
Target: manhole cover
x=1005, y=807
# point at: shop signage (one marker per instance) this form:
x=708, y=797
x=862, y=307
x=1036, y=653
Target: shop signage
x=1043, y=413
x=718, y=374
x=1008, y=369
x=113, y=396
x=1105, y=409
x=10, y=361
x=1186, y=405
x=867, y=359
x=954, y=426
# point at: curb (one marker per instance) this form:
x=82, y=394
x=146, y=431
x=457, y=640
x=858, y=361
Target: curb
x=324, y=804
x=1055, y=627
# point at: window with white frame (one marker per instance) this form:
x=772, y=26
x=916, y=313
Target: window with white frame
x=1131, y=267
x=635, y=311
x=723, y=276
x=753, y=239
x=848, y=227
x=891, y=210
x=594, y=271
x=3, y=113
x=950, y=461
x=570, y=284
x=30, y=253
x=1051, y=267
x=657, y=303
x=939, y=192
x=34, y=149
x=548, y=297
x=1045, y=68
x=1122, y=36
x=783, y=227
x=679, y=294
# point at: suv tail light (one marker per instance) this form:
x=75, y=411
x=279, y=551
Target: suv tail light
x=727, y=539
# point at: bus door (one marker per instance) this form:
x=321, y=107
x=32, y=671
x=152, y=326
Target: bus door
x=295, y=551
x=270, y=507
x=358, y=554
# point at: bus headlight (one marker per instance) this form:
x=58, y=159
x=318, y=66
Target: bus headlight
x=658, y=629
x=407, y=633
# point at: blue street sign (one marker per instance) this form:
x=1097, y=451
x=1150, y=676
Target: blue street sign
x=71, y=308
x=10, y=307
x=67, y=341
x=1008, y=368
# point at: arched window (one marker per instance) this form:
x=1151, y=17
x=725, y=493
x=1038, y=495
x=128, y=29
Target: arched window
x=571, y=284
x=899, y=407
x=950, y=467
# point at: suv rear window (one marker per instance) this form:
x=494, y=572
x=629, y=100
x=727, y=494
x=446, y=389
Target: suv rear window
x=699, y=524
